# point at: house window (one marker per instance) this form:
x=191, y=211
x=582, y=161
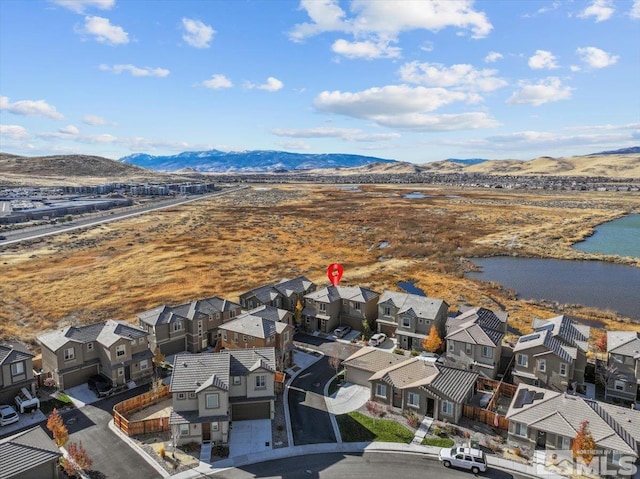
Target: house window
x=236, y=380
x=420, y=321
x=413, y=400
x=620, y=385
x=192, y=395
x=235, y=337
x=212, y=400
x=356, y=306
x=17, y=369
x=406, y=322
x=285, y=336
x=261, y=382
x=184, y=429
x=563, y=442
x=215, y=426
x=618, y=358
x=447, y=408
x=177, y=326
x=542, y=365
x=387, y=311
x=522, y=360
x=90, y=346
x=121, y=350
x=69, y=354
x=563, y=369
x=323, y=307
x=467, y=348
x=244, y=338
x=487, y=352
x=199, y=326
x=182, y=396
x=144, y=364
x=133, y=342
x=381, y=391
x=614, y=457
x=224, y=335
x=232, y=313
x=520, y=429
x=120, y=372
x=450, y=346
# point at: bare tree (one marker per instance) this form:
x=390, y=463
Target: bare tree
x=606, y=374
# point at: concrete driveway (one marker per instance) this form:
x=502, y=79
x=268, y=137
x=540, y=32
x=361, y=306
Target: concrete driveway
x=81, y=395
x=249, y=437
x=348, y=398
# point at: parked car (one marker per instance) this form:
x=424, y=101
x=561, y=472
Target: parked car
x=377, y=339
x=3, y=237
x=464, y=457
x=341, y=331
x=8, y=415
x=101, y=385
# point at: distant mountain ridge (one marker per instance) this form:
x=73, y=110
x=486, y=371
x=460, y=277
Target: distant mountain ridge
x=469, y=161
x=215, y=161
x=621, y=151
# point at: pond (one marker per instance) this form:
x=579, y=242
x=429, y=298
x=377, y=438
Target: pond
x=621, y=237
x=597, y=284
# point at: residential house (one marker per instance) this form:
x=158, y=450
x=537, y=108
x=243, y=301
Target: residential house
x=189, y=327
x=16, y=371
x=30, y=454
x=423, y=387
x=115, y=349
x=623, y=348
x=549, y=420
x=332, y=306
x=474, y=340
x=553, y=356
x=264, y=326
x=210, y=390
x=284, y=294
x=409, y=317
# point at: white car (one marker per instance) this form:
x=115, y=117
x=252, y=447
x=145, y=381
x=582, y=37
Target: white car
x=465, y=458
x=377, y=339
x=341, y=331
x=8, y=415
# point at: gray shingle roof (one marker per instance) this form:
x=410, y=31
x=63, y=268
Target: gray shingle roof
x=549, y=341
x=407, y=374
x=565, y=330
x=10, y=355
x=104, y=332
x=24, y=451
x=422, y=306
x=160, y=315
x=371, y=359
x=269, y=312
x=453, y=383
x=256, y=326
x=329, y=294
x=477, y=326
x=626, y=343
x=265, y=294
x=288, y=287
x=612, y=427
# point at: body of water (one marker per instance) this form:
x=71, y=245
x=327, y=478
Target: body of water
x=621, y=237
x=595, y=284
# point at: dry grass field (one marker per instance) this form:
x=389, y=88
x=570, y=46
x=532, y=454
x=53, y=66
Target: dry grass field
x=225, y=245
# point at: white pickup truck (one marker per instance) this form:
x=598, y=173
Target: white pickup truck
x=25, y=401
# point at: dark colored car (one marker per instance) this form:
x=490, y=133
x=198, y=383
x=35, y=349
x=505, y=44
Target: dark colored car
x=101, y=385
x=3, y=237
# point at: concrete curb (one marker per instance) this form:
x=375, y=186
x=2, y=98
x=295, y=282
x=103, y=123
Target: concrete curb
x=332, y=417
x=132, y=444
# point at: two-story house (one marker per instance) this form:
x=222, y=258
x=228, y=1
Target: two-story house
x=549, y=420
x=284, y=295
x=327, y=308
x=623, y=349
x=16, y=371
x=264, y=326
x=210, y=390
x=422, y=387
x=115, y=349
x=409, y=317
x=189, y=327
x=553, y=356
x=474, y=340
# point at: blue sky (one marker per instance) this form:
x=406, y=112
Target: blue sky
x=407, y=80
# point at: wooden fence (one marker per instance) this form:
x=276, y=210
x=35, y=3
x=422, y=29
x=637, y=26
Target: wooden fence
x=485, y=416
x=126, y=408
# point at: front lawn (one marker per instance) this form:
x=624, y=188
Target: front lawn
x=438, y=441
x=357, y=427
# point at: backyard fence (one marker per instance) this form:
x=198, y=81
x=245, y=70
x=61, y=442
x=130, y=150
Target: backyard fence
x=486, y=416
x=126, y=408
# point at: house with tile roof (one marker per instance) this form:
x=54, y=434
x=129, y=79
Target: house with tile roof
x=115, y=349
x=554, y=356
x=191, y=326
x=30, y=454
x=264, y=326
x=16, y=371
x=409, y=318
x=210, y=390
x=411, y=384
x=284, y=295
x=474, y=340
x=327, y=308
x=623, y=350
x=543, y=419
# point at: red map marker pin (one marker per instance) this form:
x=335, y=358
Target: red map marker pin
x=334, y=273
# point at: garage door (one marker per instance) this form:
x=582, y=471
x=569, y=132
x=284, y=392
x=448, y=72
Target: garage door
x=79, y=376
x=358, y=376
x=248, y=411
x=173, y=347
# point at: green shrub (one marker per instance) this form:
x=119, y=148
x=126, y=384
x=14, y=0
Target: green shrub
x=414, y=352
x=399, y=351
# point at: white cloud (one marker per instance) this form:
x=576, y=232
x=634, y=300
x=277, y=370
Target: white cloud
x=217, y=82
x=272, y=84
x=69, y=130
x=493, y=57
x=30, y=108
x=596, y=58
x=79, y=6
x=367, y=49
x=375, y=23
x=600, y=9
x=461, y=76
x=197, y=34
x=330, y=132
x=95, y=120
x=14, y=132
x=103, y=31
x=635, y=10
x=448, y=122
x=545, y=91
x=136, y=71
x=543, y=60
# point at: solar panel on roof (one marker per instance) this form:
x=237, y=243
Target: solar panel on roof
x=529, y=337
x=545, y=327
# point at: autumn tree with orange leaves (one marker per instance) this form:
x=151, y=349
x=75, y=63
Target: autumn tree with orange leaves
x=583, y=446
x=57, y=428
x=433, y=342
